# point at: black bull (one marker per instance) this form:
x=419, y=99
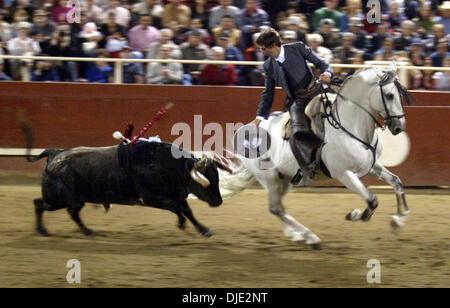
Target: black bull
x=146, y=174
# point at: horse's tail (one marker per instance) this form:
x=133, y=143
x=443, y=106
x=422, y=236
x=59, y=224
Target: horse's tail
x=28, y=131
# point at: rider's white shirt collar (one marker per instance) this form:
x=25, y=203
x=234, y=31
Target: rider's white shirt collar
x=281, y=57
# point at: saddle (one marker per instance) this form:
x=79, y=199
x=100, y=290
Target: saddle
x=314, y=111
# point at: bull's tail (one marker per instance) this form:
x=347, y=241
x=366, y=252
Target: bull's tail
x=28, y=131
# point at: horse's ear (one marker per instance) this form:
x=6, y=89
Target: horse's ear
x=393, y=66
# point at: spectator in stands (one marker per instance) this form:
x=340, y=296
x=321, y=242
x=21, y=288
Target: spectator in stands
x=180, y=32
x=361, y=40
x=353, y=10
x=298, y=25
x=45, y=71
x=416, y=53
x=232, y=53
x=440, y=54
x=438, y=34
x=20, y=17
x=100, y=71
x=227, y=26
x=59, y=13
x=330, y=39
x=177, y=11
x=114, y=36
x=90, y=38
x=219, y=74
x=217, y=12
x=133, y=72
x=164, y=39
x=3, y=75
x=426, y=80
x=315, y=41
x=387, y=52
x=403, y=39
x=347, y=51
x=200, y=11
x=425, y=21
x=42, y=30
x=19, y=46
x=396, y=18
x=61, y=45
x=193, y=49
x=165, y=73
x=196, y=24
x=5, y=30
x=22, y=5
x=140, y=37
x=329, y=11
x=150, y=7
x=289, y=37
x=250, y=19
x=104, y=4
x=411, y=9
x=123, y=15
x=93, y=12
x=282, y=17
x=379, y=37
x=254, y=75
x=444, y=19
x=442, y=79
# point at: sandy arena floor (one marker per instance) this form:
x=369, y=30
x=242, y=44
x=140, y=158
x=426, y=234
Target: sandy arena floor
x=142, y=247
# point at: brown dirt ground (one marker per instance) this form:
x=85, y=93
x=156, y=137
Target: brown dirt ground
x=141, y=247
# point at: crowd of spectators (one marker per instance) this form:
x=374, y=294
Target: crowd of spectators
x=339, y=31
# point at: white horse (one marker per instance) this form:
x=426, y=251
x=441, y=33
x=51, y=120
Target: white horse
x=351, y=149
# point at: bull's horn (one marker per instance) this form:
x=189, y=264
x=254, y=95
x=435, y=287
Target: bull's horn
x=223, y=166
x=199, y=178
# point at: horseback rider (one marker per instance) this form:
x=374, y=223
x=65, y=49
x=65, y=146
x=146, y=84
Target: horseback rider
x=287, y=67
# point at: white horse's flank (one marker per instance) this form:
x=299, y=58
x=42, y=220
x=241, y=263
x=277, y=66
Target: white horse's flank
x=346, y=158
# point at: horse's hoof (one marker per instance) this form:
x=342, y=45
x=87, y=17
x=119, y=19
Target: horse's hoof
x=208, y=233
x=354, y=215
x=397, y=222
x=317, y=246
x=43, y=232
x=88, y=232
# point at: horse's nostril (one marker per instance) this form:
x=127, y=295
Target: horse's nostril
x=397, y=130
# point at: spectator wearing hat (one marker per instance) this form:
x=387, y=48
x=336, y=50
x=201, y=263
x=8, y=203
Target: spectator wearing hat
x=133, y=72
x=440, y=54
x=177, y=11
x=289, y=36
x=329, y=11
x=164, y=39
x=141, y=36
x=415, y=52
x=114, y=36
x=330, y=39
x=250, y=19
x=407, y=34
x=444, y=19
x=150, y=7
x=164, y=73
x=42, y=30
x=225, y=7
x=315, y=41
x=19, y=46
x=193, y=49
x=219, y=74
x=228, y=27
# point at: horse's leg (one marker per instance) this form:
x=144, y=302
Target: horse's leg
x=352, y=182
x=277, y=189
x=382, y=173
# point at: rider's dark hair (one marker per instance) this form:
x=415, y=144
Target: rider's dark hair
x=269, y=38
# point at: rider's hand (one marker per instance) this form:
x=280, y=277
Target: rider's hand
x=325, y=78
x=256, y=122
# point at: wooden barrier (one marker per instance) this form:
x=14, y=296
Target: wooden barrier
x=71, y=114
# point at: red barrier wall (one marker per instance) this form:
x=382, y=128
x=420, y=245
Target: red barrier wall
x=69, y=115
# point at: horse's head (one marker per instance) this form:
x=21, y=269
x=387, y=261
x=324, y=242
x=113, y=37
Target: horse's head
x=387, y=100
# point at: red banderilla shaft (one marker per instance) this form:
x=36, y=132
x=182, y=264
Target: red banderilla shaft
x=158, y=116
